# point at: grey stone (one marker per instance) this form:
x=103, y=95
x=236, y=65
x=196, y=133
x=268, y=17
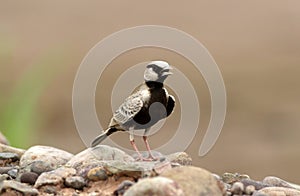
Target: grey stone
x=13, y=173
x=29, y=177
x=23, y=188
x=54, y=177
x=76, y=182
x=9, y=155
x=159, y=186
x=275, y=181
x=194, y=180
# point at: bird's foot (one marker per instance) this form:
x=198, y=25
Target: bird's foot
x=149, y=158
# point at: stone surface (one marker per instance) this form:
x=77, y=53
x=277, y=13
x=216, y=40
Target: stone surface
x=158, y=186
x=275, y=181
x=181, y=158
x=23, y=188
x=194, y=180
x=53, y=156
x=54, y=177
x=76, y=182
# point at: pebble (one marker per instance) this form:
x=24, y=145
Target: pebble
x=23, y=188
x=40, y=167
x=54, y=177
x=5, y=148
x=237, y=188
x=257, y=184
x=29, y=177
x=4, y=177
x=97, y=174
x=250, y=190
x=76, y=182
x=13, y=173
x=9, y=155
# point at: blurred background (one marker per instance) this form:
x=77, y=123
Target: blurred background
x=255, y=43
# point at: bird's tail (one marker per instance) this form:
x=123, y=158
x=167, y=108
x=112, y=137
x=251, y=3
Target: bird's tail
x=103, y=136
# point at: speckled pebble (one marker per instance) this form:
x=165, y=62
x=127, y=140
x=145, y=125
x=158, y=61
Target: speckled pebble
x=278, y=191
x=23, y=188
x=9, y=155
x=97, y=173
x=29, y=177
x=237, y=188
x=40, y=167
x=76, y=182
x=13, y=173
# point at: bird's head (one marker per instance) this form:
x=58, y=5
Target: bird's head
x=157, y=71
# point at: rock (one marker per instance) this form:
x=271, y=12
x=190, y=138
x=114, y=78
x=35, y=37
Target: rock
x=194, y=180
x=54, y=177
x=23, y=188
x=5, y=148
x=277, y=191
x=181, y=158
x=53, y=156
x=275, y=181
x=40, y=167
x=237, y=188
x=29, y=177
x=159, y=186
x=123, y=187
x=9, y=155
x=145, y=154
x=97, y=173
x=13, y=173
x=76, y=182
x=257, y=184
x=249, y=190
x=95, y=157
x=160, y=167
x=231, y=178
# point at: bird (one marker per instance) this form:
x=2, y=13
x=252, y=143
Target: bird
x=149, y=103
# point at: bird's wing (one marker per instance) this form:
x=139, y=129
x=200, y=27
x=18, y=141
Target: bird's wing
x=131, y=106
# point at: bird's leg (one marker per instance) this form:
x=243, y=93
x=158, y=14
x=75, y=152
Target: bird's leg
x=131, y=138
x=145, y=138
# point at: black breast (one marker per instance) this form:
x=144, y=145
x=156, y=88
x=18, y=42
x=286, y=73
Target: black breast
x=153, y=110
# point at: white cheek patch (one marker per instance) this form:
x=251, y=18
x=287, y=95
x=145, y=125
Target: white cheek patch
x=150, y=75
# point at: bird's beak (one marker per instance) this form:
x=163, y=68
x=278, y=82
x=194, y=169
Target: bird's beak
x=166, y=71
